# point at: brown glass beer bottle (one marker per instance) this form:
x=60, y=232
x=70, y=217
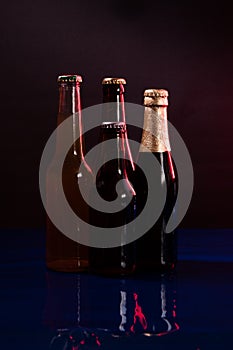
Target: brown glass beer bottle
x=120, y=259
x=63, y=253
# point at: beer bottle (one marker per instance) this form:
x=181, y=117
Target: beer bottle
x=118, y=260
x=156, y=249
x=114, y=111
x=63, y=253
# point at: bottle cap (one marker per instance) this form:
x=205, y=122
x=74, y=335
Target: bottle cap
x=114, y=81
x=69, y=79
x=113, y=126
x=155, y=97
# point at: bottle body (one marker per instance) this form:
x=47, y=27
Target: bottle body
x=63, y=253
x=118, y=260
x=157, y=249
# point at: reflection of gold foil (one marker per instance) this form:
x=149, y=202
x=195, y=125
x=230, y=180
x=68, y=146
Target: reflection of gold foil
x=114, y=81
x=155, y=132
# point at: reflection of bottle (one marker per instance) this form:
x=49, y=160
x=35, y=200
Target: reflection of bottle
x=139, y=317
x=119, y=260
x=62, y=253
x=91, y=312
x=63, y=301
x=65, y=310
x=156, y=249
x=132, y=307
x=77, y=339
x=155, y=307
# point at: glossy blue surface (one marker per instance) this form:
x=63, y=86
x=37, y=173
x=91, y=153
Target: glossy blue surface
x=191, y=309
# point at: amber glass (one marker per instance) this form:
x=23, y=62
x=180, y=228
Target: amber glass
x=62, y=253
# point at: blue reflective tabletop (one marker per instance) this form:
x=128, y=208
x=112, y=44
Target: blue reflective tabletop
x=190, y=309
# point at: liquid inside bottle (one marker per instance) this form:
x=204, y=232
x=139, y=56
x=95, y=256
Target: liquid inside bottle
x=118, y=260
x=156, y=249
x=63, y=253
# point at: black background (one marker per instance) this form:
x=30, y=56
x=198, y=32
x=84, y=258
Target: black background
x=185, y=48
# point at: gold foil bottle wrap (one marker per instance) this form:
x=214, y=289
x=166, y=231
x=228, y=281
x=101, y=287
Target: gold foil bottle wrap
x=155, y=97
x=155, y=132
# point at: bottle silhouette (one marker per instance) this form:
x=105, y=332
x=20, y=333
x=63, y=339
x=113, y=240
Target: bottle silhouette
x=156, y=249
x=63, y=253
x=118, y=260
x=114, y=111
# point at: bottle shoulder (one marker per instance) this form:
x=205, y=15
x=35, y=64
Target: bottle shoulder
x=111, y=185
x=164, y=158
x=71, y=165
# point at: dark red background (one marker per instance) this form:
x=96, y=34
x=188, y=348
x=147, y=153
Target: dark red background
x=185, y=48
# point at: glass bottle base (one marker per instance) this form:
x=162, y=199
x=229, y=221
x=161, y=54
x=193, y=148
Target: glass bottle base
x=68, y=265
x=113, y=271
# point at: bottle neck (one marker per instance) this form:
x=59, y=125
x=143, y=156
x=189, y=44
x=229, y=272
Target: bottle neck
x=155, y=136
x=115, y=152
x=69, y=101
x=70, y=106
x=114, y=111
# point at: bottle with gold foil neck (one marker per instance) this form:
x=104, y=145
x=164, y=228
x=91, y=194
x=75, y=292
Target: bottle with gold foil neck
x=155, y=120
x=63, y=253
x=156, y=249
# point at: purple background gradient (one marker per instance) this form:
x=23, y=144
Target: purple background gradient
x=187, y=49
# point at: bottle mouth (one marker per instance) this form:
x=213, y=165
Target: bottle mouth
x=156, y=93
x=155, y=97
x=71, y=79
x=114, y=126
x=114, y=81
